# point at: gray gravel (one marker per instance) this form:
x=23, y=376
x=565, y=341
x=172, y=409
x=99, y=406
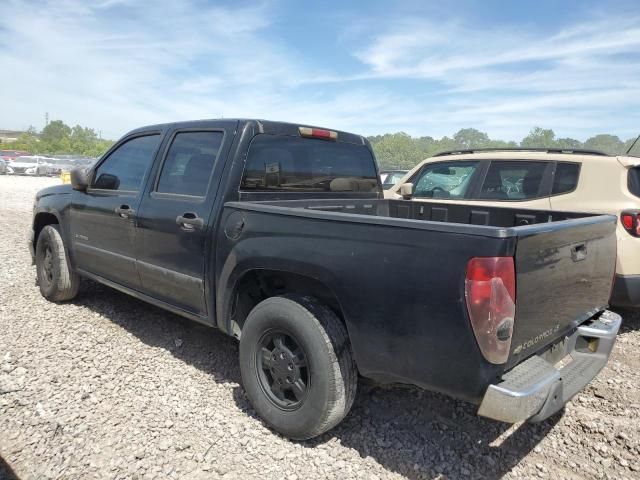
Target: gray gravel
x=108, y=387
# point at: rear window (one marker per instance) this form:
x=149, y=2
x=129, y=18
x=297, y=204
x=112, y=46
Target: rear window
x=633, y=181
x=566, y=178
x=519, y=180
x=277, y=162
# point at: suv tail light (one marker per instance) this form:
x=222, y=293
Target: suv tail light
x=490, y=292
x=629, y=220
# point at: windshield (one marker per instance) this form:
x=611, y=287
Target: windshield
x=278, y=162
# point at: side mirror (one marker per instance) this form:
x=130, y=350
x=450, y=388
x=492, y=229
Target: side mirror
x=79, y=179
x=406, y=190
x=106, y=181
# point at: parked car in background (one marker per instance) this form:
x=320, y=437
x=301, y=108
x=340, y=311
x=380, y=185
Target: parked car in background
x=3, y=167
x=285, y=242
x=390, y=177
x=11, y=155
x=559, y=180
x=29, y=165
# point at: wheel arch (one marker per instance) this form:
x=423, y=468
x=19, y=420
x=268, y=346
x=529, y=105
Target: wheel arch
x=254, y=285
x=41, y=220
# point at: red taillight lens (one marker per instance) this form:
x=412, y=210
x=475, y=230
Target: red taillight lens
x=629, y=220
x=318, y=133
x=490, y=292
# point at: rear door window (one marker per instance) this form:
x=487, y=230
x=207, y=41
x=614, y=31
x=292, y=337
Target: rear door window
x=189, y=163
x=513, y=180
x=565, y=179
x=444, y=180
x=283, y=163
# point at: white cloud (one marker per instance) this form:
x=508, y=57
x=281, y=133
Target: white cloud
x=119, y=64
x=138, y=64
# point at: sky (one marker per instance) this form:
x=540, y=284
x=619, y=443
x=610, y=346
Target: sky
x=420, y=67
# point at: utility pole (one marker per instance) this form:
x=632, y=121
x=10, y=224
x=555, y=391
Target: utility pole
x=46, y=119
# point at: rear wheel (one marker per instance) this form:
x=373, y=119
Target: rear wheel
x=297, y=366
x=56, y=279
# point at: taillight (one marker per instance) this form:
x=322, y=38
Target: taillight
x=490, y=291
x=318, y=133
x=629, y=220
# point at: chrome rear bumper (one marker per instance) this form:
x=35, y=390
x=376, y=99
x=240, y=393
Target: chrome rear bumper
x=535, y=389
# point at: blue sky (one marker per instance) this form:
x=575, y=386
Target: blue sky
x=425, y=68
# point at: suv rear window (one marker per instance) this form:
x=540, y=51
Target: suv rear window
x=633, y=181
x=566, y=178
x=512, y=180
x=278, y=162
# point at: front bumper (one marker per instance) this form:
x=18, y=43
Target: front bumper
x=626, y=291
x=536, y=389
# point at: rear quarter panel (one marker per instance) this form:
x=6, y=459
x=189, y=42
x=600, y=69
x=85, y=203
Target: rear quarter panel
x=401, y=291
x=602, y=188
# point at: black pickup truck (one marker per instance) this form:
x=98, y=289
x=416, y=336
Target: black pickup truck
x=279, y=235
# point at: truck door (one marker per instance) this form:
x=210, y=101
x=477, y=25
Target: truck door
x=174, y=230
x=103, y=217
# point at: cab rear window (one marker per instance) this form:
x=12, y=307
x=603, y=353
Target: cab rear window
x=633, y=181
x=283, y=163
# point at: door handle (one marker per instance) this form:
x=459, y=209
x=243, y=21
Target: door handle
x=190, y=221
x=125, y=211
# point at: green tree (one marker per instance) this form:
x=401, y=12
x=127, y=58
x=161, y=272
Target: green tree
x=468, y=138
x=636, y=146
x=55, y=131
x=569, y=143
x=606, y=143
x=539, y=138
x=397, y=150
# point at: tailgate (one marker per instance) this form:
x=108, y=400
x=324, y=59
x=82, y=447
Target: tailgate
x=564, y=273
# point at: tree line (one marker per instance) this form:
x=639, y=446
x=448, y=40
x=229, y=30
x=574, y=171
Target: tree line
x=59, y=138
x=401, y=151
x=393, y=150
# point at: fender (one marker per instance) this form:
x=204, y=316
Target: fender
x=244, y=258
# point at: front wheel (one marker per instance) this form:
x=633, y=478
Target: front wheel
x=297, y=366
x=57, y=281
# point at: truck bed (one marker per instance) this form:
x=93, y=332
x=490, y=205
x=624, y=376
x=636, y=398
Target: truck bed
x=564, y=268
x=388, y=210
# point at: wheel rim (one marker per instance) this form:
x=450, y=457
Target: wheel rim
x=46, y=267
x=282, y=369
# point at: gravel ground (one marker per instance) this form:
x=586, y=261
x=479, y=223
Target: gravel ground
x=109, y=387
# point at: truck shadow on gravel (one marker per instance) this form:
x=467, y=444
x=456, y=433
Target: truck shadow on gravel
x=630, y=319
x=406, y=430
x=424, y=435
x=6, y=472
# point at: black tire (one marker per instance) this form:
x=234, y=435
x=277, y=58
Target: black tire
x=57, y=281
x=309, y=331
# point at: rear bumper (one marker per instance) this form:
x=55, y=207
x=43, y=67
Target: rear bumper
x=626, y=291
x=535, y=389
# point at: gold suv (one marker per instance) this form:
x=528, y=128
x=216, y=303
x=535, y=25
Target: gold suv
x=553, y=179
